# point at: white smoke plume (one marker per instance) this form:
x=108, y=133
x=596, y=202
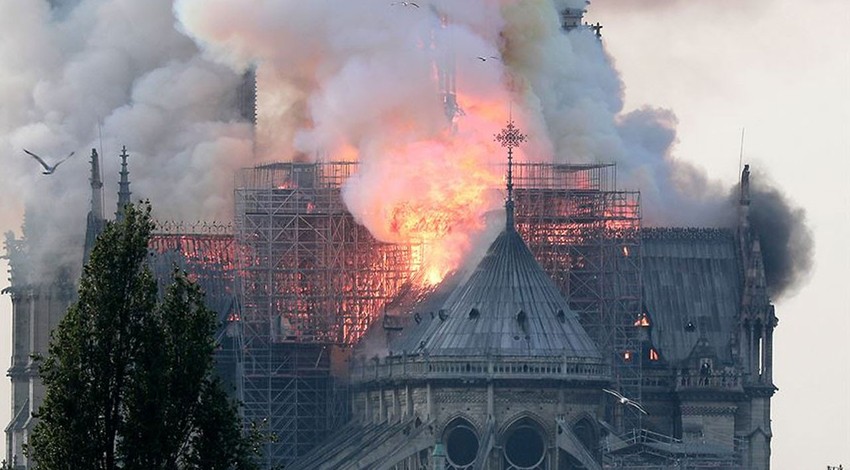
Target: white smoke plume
x=360, y=81
x=337, y=80
x=87, y=74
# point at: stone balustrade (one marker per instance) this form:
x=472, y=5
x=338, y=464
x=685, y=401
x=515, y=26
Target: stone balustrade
x=407, y=367
x=717, y=381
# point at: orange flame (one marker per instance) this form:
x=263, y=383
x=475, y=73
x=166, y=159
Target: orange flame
x=433, y=193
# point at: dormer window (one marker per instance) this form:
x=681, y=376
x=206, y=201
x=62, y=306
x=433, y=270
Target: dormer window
x=653, y=355
x=642, y=320
x=474, y=313
x=522, y=319
x=562, y=317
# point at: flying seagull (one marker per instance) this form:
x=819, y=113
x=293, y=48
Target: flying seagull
x=48, y=169
x=405, y=4
x=625, y=401
x=485, y=59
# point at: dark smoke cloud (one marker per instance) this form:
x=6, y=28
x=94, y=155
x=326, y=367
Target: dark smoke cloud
x=787, y=242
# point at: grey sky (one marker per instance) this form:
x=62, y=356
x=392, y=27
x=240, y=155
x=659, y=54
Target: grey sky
x=781, y=70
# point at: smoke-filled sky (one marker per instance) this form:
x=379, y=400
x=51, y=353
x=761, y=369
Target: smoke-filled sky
x=664, y=95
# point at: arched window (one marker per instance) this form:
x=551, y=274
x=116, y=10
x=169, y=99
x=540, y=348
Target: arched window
x=524, y=446
x=462, y=445
x=586, y=433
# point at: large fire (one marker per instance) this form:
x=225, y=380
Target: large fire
x=414, y=95
x=435, y=192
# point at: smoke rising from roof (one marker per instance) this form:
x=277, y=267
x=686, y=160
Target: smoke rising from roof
x=336, y=80
x=787, y=243
x=102, y=74
x=358, y=81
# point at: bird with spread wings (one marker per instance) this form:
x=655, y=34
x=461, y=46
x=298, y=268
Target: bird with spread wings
x=48, y=169
x=625, y=401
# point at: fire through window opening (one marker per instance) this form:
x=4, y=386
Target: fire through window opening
x=642, y=320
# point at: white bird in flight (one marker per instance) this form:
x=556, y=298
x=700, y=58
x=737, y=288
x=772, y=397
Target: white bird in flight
x=405, y=4
x=625, y=401
x=48, y=169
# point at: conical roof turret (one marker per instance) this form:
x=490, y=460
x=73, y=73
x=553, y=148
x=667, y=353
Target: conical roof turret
x=508, y=306
x=94, y=219
x=123, y=185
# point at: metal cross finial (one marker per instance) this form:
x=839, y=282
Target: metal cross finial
x=510, y=137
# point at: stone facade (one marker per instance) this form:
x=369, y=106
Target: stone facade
x=36, y=310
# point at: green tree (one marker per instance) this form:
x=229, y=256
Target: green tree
x=128, y=376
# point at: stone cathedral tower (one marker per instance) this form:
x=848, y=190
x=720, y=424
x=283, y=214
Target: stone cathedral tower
x=40, y=297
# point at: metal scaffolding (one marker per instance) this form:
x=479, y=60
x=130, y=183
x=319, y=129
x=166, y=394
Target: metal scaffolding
x=299, y=277
x=207, y=252
x=311, y=278
x=586, y=236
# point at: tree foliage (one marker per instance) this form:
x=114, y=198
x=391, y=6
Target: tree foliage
x=128, y=375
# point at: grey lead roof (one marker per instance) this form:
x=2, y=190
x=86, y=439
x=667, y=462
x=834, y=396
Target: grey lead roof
x=691, y=276
x=508, y=306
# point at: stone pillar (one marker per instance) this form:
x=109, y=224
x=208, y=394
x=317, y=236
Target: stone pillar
x=754, y=352
x=430, y=401
x=20, y=378
x=768, y=354
x=408, y=397
x=396, y=405
x=757, y=430
x=382, y=407
x=367, y=409
x=744, y=348
x=491, y=413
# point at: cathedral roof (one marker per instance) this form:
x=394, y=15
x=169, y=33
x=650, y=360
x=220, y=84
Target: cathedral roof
x=508, y=306
x=692, y=287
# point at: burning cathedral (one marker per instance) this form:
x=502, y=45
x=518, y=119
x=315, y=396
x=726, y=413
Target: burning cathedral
x=579, y=339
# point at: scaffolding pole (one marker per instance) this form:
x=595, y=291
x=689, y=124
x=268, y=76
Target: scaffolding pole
x=586, y=236
x=312, y=278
